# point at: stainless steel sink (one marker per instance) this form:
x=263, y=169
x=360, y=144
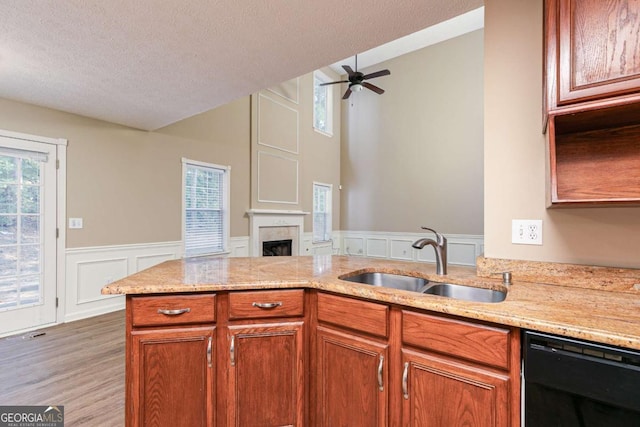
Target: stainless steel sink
x=418, y=284
x=466, y=293
x=387, y=280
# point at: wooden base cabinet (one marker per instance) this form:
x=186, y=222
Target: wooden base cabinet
x=174, y=368
x=266, y=375
x=289, y=358
x=439, y=392
x=232, y=359
x=352, y=378
x=459, y=372
x=379, y=365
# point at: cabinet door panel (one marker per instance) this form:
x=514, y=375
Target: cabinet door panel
x=444, y=393
x=350, y=373
x=598, y=43
x=174, y=379
x=266, y=375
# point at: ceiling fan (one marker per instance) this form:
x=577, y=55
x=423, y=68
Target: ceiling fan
x=357, y=80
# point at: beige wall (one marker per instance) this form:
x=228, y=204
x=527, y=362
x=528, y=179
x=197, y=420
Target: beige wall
x=126, y=183
x=318, y=155
x=515, y=157
x=413, y=156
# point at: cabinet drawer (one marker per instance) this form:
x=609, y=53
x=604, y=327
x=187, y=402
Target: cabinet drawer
x=479, y=343
x=173, y=310
x=350, y=313
x=261, y=304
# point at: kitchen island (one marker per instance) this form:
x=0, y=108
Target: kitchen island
x=286, y=333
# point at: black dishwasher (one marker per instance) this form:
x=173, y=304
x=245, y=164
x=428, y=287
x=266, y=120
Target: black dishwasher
x=570, y=383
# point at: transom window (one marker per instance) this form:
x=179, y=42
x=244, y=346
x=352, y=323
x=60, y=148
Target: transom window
x=322, y=194
x=206, y=208
x=322, y=104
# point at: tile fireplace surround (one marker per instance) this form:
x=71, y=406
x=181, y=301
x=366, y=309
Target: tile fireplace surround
x=271, y=224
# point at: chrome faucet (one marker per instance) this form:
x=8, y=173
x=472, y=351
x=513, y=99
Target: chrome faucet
x=440, y=246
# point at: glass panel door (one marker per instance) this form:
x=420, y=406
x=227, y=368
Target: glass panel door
x=27, y=234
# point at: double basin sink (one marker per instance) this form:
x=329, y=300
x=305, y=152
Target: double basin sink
x=424, y=286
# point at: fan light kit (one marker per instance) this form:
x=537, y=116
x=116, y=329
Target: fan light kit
x=357, y=80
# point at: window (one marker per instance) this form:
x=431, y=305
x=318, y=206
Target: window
x=322, y=104
x=322, y=212
x=205, y=217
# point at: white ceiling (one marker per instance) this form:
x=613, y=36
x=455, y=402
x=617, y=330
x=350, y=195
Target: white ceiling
x=149, y=63
x=454, y=27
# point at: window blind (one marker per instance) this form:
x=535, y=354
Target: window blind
x=321, y=212
x=204, y=216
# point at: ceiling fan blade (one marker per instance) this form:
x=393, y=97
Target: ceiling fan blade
x=349, y=70
x=346, y=94
x=376, y=89
x=376, y=74
x=333, y=83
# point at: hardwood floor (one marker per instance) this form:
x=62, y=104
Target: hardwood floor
x=79, y=365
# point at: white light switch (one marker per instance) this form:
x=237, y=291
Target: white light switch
x=75, y=222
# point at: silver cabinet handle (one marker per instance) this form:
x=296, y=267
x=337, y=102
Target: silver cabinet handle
x=232, y=350
x=405, y=378
x=380, y=365
x=267, y=305
x=209, y=345
x=173, y=312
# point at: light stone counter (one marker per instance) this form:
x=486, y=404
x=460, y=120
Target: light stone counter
x=604, y=306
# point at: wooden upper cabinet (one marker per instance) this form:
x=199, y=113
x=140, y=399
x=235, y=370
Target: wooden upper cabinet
x=596, y=45
x=592, y=102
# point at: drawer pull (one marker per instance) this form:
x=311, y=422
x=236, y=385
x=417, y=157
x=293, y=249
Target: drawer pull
x=380, y=366
x=173, y=312
x=267, y=305
x=405, y=380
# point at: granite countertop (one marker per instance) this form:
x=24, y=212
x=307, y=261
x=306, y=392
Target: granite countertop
x=603, y=306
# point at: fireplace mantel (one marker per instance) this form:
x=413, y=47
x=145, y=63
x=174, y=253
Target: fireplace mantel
x=259, y=218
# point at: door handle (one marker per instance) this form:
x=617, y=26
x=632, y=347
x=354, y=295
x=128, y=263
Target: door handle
x=405, y=380
x=380, y=366
x=232, y=350
x=209, y=348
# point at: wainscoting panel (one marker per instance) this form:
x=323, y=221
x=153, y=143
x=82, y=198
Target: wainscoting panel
x=353, y=245
x=239, y=246
x=94, y=274
x=145, y=261
x=462, y=249
x=376, y=247
x=401, y=249
x=89, y=269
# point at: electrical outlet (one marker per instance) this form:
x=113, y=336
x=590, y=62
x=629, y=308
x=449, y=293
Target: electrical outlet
x=526, y=231
x=75, y=222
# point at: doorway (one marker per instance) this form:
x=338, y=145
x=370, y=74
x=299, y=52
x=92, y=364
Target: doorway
x=28, y=232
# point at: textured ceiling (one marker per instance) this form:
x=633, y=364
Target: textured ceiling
x=149, y=63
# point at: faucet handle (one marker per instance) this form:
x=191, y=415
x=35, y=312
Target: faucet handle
x=441, y=239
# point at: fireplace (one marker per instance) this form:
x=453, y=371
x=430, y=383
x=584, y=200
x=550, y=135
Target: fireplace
x=275, y=226
x=277, y=247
